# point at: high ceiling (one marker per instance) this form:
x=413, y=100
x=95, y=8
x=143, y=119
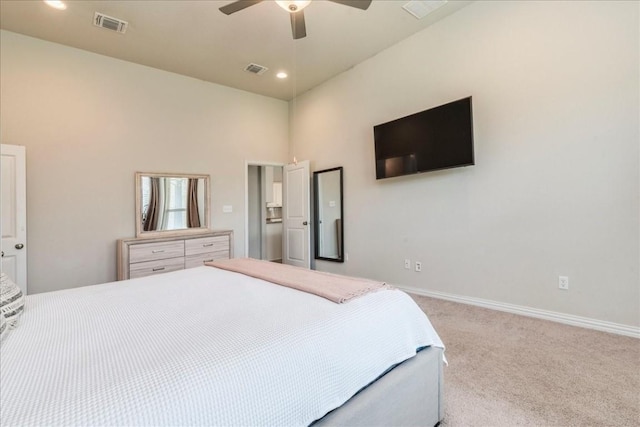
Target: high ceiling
x=195, y=39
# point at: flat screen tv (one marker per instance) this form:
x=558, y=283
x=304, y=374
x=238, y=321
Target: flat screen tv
x=434, y=139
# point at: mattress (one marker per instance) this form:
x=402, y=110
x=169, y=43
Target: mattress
x=199, y=347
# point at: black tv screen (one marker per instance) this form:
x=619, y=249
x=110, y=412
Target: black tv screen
x=438, y=138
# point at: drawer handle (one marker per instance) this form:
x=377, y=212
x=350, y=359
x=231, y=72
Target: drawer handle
x=207, y=260
x=204, y=245
x=157, y=251
x=158, y=268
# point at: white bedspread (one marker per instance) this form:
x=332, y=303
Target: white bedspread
x=199, y=347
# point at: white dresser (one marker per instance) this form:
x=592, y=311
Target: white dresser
x=144, y=256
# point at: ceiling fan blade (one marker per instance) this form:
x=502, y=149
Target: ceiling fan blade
x=360, y=4
x=237, y=6
x=298, y=27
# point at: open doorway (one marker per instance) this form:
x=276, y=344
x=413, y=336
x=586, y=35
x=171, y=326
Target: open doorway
x=264, y=212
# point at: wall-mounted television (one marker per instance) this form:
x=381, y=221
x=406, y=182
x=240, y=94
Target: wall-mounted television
x=434, y=139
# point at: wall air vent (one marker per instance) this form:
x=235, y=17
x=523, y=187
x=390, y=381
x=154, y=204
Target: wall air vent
x=255, y=69
x=110, y=23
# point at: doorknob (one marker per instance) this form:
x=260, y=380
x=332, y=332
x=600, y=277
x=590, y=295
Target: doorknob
x=305, y=223
x=2, y=253
x=19, y=246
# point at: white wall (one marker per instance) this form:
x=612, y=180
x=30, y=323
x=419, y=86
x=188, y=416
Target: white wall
x=89, y=122
x=555, y=187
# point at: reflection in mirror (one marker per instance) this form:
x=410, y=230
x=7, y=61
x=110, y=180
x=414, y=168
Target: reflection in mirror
x=166, y=202
x=328, y=226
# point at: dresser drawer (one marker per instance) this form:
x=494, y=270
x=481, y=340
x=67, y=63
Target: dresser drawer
x=148, y=268
x=204, y=245
x=199, y=260
x=156, y=251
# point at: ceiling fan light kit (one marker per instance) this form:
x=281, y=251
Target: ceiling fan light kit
x=295, y=9
x=293, y=5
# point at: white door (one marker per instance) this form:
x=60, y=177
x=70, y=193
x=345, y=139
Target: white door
x=13, y=200
x=295, y=215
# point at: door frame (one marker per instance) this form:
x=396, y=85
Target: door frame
x=248, y=163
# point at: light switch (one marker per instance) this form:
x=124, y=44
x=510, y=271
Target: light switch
x=227, y=209
x=332, y=204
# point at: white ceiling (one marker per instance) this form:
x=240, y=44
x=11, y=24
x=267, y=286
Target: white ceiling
x=195, y=39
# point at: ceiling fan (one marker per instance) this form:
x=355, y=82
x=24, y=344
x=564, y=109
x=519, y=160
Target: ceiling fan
x=295, y=9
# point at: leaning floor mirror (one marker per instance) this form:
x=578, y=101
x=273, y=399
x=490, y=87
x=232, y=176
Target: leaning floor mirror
x=170, y=204
x=328, y=224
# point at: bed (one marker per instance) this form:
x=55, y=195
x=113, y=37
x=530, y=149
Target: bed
x=205, y=346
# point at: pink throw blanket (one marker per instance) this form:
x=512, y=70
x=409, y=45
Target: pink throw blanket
x=333, y=287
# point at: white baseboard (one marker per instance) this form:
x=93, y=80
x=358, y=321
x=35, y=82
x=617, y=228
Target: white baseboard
x=568, y=319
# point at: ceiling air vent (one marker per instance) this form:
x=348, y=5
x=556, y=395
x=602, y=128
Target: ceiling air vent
x=255, y=69
x=421, y=8
x=110, y=23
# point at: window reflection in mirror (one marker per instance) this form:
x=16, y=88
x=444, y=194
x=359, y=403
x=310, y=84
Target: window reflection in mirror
x=171, y=203
x=328, y=224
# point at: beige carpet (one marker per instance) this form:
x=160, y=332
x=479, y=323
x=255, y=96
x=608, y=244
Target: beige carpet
x=509, y=370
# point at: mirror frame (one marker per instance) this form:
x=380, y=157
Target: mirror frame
x=316, y=223
x=207, y=205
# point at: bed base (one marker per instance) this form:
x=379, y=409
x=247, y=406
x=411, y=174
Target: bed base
x=408, y=395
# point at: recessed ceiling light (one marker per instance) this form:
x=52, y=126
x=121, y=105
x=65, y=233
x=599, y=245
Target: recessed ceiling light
x=56, y=4
x=282, y=75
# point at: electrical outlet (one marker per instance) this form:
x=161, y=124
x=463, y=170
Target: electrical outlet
x=563, y=282
x=407, y=264
x=418, y=266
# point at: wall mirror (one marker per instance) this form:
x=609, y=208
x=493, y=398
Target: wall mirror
x=328, y=224
x=171, y=203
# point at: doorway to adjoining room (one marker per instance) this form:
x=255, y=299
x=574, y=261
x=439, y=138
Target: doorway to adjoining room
x=264, y=203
